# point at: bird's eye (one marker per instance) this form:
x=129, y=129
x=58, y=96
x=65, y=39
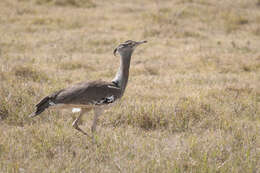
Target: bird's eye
x=127, y=44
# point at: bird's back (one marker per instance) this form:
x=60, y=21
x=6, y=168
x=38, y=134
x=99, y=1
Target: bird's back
x=88, y=93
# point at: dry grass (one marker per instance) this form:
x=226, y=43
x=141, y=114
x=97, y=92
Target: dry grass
x=192, y=103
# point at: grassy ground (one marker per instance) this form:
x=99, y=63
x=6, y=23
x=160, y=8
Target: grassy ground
x=192, y=103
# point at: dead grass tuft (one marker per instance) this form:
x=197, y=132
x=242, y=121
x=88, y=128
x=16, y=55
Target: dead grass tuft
x=258, y=3
x=257, y=31
x=233, y=21
x=29, y=73
x=68, y=3
x=9, y=106
x=151, y=70
x=185, y=115
x=3, y=112
x=148, y=117
x=151, y=32
x=73, y=65
x=188, y=112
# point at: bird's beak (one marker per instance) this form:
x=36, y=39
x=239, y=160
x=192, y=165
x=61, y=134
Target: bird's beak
x=140, y=42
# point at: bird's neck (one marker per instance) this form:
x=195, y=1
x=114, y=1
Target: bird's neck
x=122, y=74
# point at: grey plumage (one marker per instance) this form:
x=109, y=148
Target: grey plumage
x=93, y=95
x=82, y=94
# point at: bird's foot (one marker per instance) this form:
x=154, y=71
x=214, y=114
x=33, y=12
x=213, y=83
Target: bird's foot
x=75, y=125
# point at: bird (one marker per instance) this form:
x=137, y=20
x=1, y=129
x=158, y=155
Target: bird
x=96, y=95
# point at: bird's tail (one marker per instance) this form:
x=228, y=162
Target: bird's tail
x=41, y=106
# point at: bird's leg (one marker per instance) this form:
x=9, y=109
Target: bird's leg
x=97, y=113
x=75, y=123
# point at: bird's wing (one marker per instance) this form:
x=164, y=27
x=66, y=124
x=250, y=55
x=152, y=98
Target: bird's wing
x=97, y=92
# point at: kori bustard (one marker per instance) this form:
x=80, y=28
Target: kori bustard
x=95, y=95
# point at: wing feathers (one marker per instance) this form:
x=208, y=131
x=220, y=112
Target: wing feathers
x=97, y=93
x=88, y=93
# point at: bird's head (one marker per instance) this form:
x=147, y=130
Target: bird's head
x=127, y=47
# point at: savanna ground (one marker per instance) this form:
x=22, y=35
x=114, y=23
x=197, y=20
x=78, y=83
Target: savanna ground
x=191, y=105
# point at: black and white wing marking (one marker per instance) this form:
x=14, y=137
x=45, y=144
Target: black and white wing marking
x=105, y=101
